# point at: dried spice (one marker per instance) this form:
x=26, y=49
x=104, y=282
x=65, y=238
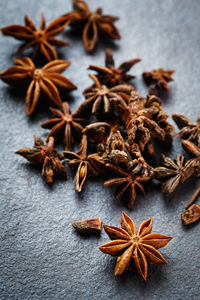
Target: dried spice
x=130, y=173
x=88, y=226
x=99, y=97
x=45, y=157
x=191, y=215
x=80, y=161
x=97, y=132
x=189, y=130
x=93, y=24
x=191, y=148
x=65, y=124
x=173, y=172
x=159, y=78
x=127, y=181
x=46, y=80
x=110, y=75
x=42, y=39
x=192, y=212
x=140, y=246
x=142, y=118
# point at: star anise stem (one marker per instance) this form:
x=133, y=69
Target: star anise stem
x=197, y=192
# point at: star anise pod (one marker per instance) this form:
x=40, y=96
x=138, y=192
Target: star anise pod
x=81, y=163
x=46, y=80
x=188, y=130
x=110, y=75
x=173, y=172
x=46, y=158
x=128, y=177
x=66, y=124
x=92, y=23
x=139, y=247
x=41, y=39
x=99, y=97
x=159, y=78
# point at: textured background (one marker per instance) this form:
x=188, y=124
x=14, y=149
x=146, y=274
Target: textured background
x=41, y=256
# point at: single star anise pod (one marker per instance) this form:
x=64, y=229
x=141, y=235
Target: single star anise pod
x=132, y=175
x=99, y=97
x=41, y=39
x=110, y=75
x=139, y=119
x=173, y=172
x=139, y=247
x=188, y=129
x=45, y=157
x=80, y=161
x=66, y=124
x=92, y=23
x=159, y=78
x=46, y=80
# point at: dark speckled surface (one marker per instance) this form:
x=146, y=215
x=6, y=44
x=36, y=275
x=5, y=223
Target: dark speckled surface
x=41, y=256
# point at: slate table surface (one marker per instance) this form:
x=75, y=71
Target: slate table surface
x=41, y=256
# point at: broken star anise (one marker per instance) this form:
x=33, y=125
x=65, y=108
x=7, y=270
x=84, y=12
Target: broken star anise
x=99, y=97
x=139, y=247
x=173, y=172
x=159, y=78
x=81, y=163
x=188, y=130
x=92, y=23
x=110, y=75
x=41, y=39
x=45, y=157
x=65, y=123
x=139, y=117
x=46, y=79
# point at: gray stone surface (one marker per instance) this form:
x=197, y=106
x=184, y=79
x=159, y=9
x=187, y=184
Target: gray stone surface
x=41, y=256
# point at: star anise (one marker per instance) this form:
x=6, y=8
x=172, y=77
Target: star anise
x=92, y=23
x=41, y=39
x=65, y=123
x=191, y=148
x=159, y=78
x=128, y=177
x=80, y=161
x=46, y=79
x=99, y=97
x=139, y=117
x=45, y=157
x=189, y=130
x=140, y=247
x=174, y=172
x=110, y=75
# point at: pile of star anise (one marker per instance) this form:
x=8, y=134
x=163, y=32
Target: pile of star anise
x=115, y=126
